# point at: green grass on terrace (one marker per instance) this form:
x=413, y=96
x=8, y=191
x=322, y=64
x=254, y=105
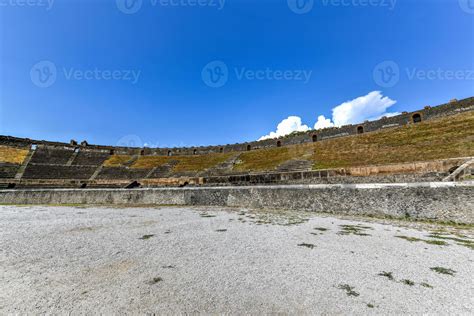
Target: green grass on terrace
x=442, y=138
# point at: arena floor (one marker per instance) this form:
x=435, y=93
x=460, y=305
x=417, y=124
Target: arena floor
x=185, y=260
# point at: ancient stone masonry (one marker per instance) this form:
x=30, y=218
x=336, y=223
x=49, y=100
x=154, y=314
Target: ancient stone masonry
x=405, y=118
x=452, y=202
x=26, y=163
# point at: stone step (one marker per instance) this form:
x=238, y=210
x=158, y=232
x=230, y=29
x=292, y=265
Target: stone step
x=295, y=165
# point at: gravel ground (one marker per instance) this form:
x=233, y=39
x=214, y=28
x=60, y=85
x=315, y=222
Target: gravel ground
x=211, y=260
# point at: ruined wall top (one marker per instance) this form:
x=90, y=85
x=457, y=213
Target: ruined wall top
x=428, y=113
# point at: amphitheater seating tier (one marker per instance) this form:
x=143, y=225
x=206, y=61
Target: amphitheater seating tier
x=442, y=137
x=90, y=158
x=50, y=155
x=8, y=171
x=162, y=171
x=40, y=171
x=118, y=173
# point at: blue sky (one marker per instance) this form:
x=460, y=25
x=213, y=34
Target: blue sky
x=145, y=75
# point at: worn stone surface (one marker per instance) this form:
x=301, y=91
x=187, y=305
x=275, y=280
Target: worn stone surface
x=89, y=260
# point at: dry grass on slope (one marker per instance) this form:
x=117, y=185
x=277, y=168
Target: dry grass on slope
x=13, y=155
x=117, y=160
x=271, y=158
x=443, y=138
x=183, y=163
x=438, y=139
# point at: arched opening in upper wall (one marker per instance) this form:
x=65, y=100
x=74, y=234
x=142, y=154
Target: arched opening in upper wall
x=249, y=148
x=360, y=129
x=315, y=138
x=278, y=143
x=416, y=118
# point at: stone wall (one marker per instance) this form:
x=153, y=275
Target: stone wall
x=428, y=201
x=43, y=175
x=405, y=118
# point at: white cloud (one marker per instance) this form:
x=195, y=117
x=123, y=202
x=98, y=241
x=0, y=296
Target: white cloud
x=323, y=123
x=287, y=126
x=370, y=107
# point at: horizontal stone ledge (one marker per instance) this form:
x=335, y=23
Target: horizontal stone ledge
x=360, y=186
x=438, y=201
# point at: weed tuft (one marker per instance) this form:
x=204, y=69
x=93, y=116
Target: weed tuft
x=408, y=282
x=388, y=275
x=349, y=290
x=310, y=246
x=155, y=280
x=442, y=270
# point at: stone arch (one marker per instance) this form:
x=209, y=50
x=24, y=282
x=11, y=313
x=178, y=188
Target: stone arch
x=169, y=153
x=249, y=148
x=142, y=152
x=112, y=151
x=195, y=152
x=360, y=129
x=314, y=138
x=279, y=143
x=416, y=118
x=221, y=150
